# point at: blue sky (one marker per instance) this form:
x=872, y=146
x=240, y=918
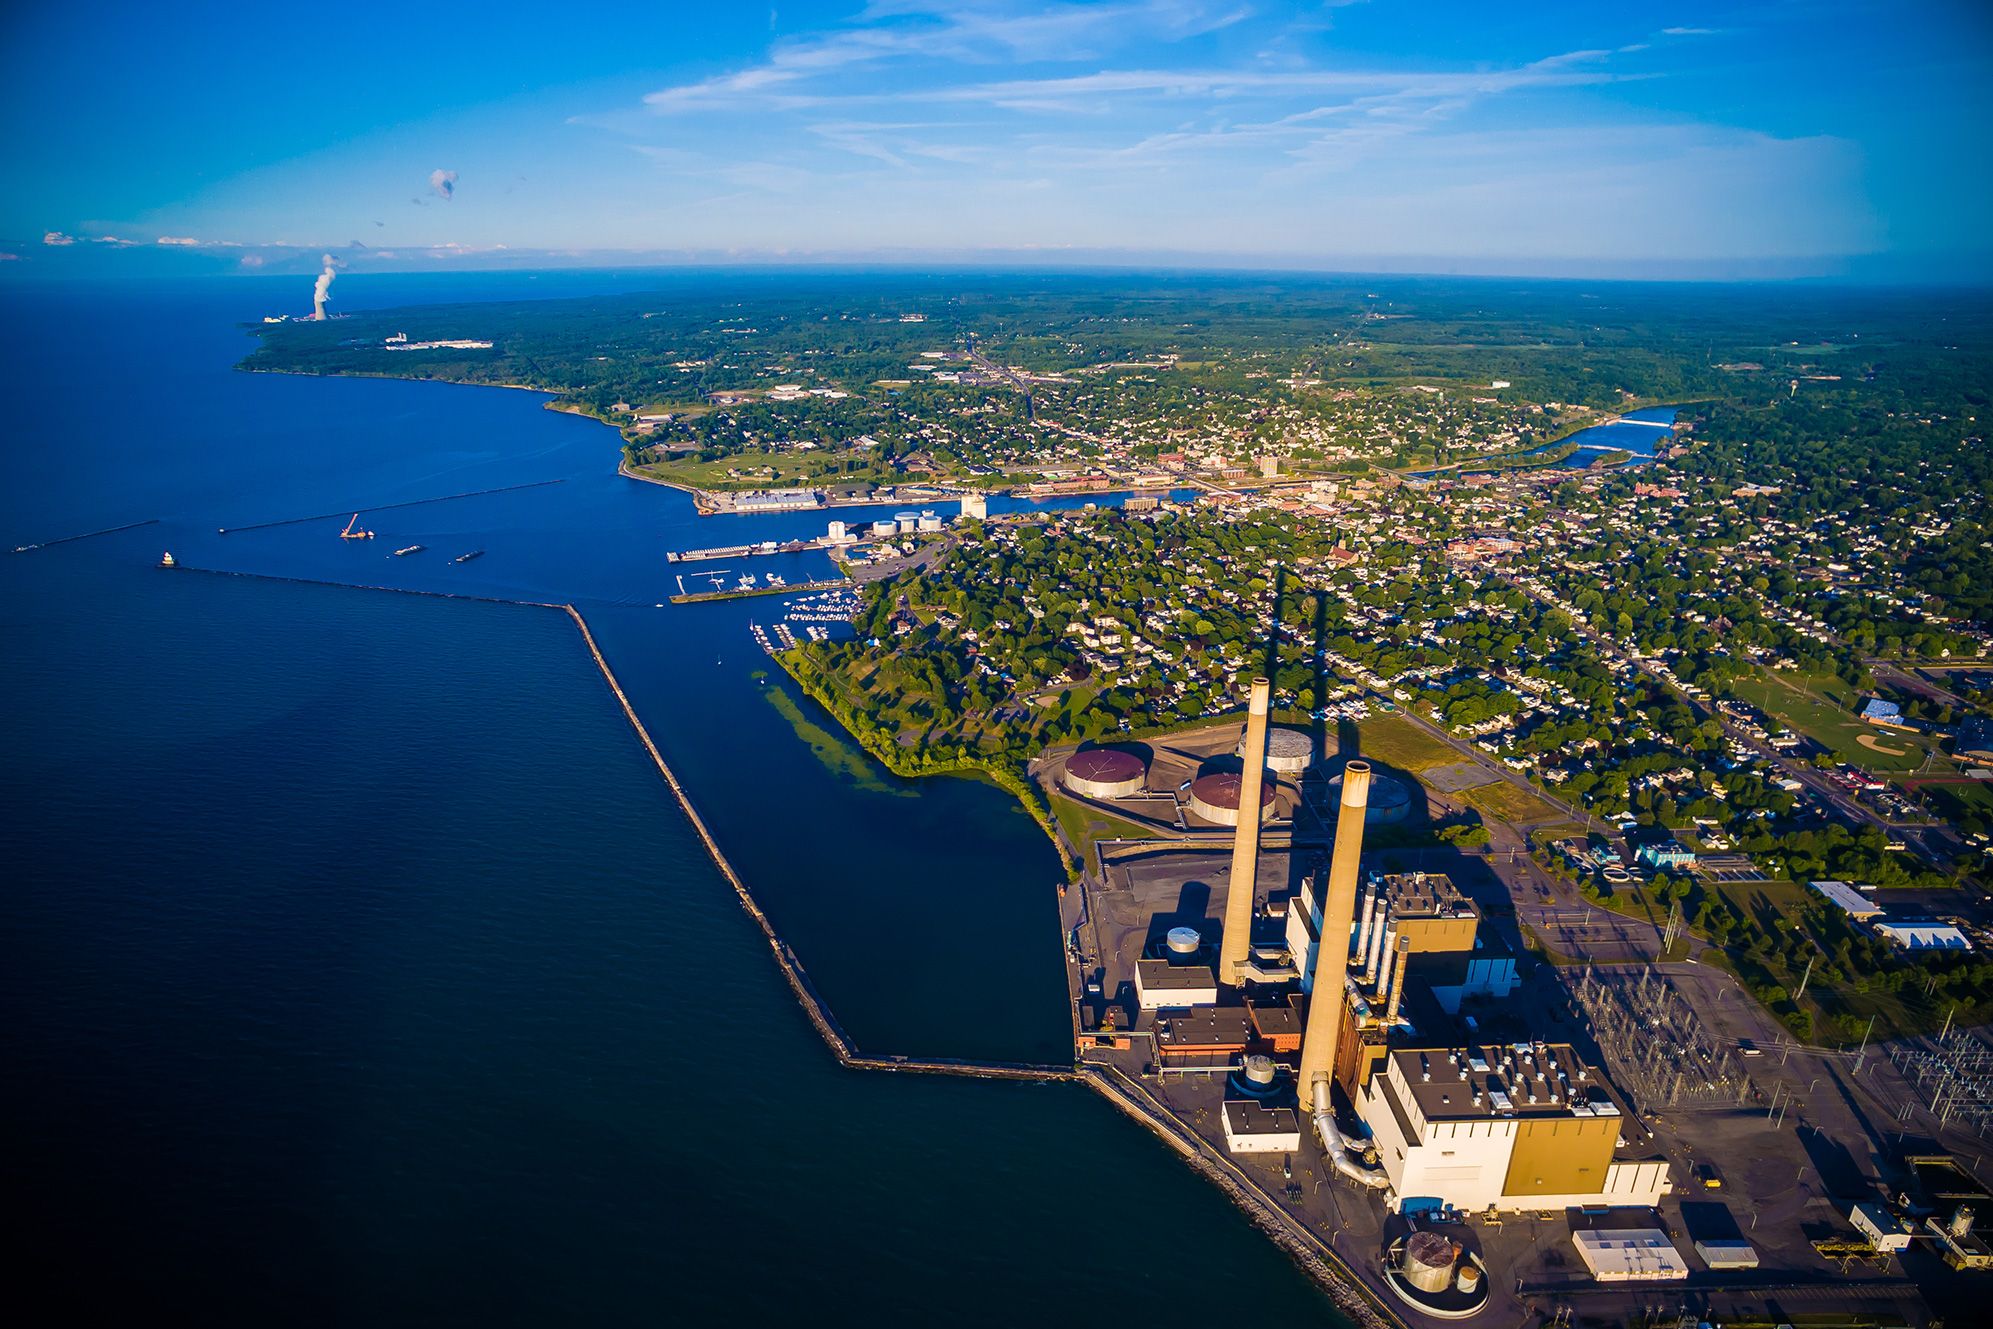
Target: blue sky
x=1769, y=139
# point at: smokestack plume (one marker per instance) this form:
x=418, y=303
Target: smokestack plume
x=1330, y=992
x=1245, y=846
x=321, y=290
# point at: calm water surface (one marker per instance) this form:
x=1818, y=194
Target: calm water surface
x=360, y=969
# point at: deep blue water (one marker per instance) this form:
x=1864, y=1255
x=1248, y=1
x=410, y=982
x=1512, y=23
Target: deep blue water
x=359, y=968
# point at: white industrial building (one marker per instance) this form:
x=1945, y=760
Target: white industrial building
x=1516, y=1128
x=1255, y=1128
x=1883, y=1229
x=1630, y=1255
x=1850, y=900
x=1925, y=935
x=1161, y=985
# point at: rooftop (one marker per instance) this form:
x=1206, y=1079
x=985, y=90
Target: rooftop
x=1477, y=1083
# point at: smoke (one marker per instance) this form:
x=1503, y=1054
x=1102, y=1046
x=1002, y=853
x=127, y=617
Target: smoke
x=443, y=184
x=321, y=290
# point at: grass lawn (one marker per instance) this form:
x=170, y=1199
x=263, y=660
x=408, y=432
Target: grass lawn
x=1084, y=826
x=1396, y=740
x=1822, y=707
x=1953, y=801
x=1503, y=801
x=794, y=470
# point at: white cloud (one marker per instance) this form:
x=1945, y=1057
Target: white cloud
x=443, y=184
x=177, y=240
x=57, y=238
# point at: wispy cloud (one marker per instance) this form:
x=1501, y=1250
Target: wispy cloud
x=975, y=32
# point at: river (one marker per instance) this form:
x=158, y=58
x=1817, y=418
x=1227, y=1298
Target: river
x=360, y=968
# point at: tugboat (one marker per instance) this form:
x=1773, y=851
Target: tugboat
x=465, y=558
x=409, y=549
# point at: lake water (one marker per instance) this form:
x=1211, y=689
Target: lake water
x=361, y=969
x=1636, y=432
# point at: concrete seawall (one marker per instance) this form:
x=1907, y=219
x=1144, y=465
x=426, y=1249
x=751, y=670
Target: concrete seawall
x=840, y=1043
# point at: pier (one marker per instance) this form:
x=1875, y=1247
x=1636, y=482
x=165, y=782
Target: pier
x=840, y=1043
x=389, y=507
x=685, y=597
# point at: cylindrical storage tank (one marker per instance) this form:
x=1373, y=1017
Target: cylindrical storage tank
x=1390, y=800
x=1468, y=1280
x=1288, y=751
x=1184, y=941
x=1215, y=798
x=1105, y=773
x=1428, y=1264
x=1259, y=1069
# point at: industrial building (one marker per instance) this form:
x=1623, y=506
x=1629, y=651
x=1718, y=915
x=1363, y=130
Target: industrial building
x=975, y=507
x=1850, y=900
x=1923, y=935
x=1254, y=1128
x=1630, y=1255
x=1358, y=983
x=1516, y=1127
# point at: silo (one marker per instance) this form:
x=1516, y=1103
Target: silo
x=1428, y=1261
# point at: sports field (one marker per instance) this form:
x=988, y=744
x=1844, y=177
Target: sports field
x=1822, y=707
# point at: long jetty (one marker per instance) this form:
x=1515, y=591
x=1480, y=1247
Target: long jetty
x=389, y=507
x=87, y=535
x=840, y=1043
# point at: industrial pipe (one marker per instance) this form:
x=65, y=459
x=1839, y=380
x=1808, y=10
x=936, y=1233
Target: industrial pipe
x=1333, y=1144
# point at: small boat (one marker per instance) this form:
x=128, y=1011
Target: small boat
x=166, y=560
x=406, y=550
x=465, y=558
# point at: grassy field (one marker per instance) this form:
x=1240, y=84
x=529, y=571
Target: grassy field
x=1822, y=707
x=1396, y=740
x=1952, y=801
x=792, y=470
x=1085, y=826
x=1503, y=801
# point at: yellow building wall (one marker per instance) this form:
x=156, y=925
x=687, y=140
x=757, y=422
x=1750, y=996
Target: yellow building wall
x=1561, y=1155
x=1430, y=935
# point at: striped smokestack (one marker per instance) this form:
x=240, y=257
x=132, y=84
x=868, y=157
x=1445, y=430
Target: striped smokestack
x=1330, y=993
x=1245, y=847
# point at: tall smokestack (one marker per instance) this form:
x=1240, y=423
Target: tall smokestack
x=1330, y=993
x=321, y=290
x=1398, y=979
x=1245, y=846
